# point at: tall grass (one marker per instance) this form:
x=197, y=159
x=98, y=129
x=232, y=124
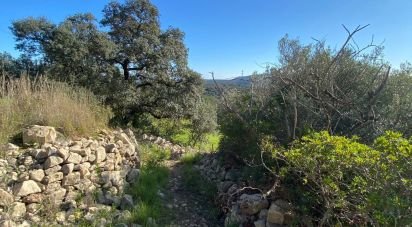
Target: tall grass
x=25, y=101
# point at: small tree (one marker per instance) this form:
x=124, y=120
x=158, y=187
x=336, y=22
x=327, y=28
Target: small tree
x=204, y=120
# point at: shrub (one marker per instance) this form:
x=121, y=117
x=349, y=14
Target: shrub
x=341, y=181
x=183, y=131
x=25, y=101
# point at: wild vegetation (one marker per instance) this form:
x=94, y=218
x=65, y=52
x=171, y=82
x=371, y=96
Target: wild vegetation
x=333, y=127
x=317, y=124
x=27, y=101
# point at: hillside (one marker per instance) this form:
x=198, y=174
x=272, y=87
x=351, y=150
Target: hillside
x=241, y=82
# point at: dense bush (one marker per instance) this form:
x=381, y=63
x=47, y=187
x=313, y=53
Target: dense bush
x=314, y=87
x=24, y=102
x=338, y=180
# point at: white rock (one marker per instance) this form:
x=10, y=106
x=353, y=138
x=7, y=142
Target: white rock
x=52, y=161
x=68, y=168
x=18, y=210
x=26, y=188
x=100, y=154
x=74, y=158
x=37, y=175
x=39, y=134
x=5, y=198
x=71, y=179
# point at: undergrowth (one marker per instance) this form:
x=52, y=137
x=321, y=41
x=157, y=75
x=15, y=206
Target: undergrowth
x=179, y=132
x=153, y=178
x=24, y=101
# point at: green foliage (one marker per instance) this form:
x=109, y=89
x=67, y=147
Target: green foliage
x=137, y=67
x=180, y=131
x=190, y=158
x=152, y=154
x=340, y=180
x=396, y=101
x=153, y=177
x=315, y=88
x=203, y=120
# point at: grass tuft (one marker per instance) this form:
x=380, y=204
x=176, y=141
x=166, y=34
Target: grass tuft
x=153, y=178
x=74, y=111
x=191, y=158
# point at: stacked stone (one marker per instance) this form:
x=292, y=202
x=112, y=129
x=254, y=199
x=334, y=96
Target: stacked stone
x=66, y=175
x=175, y=149
x=244, y=205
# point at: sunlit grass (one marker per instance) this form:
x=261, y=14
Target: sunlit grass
x=24, y=101
x=153, y=178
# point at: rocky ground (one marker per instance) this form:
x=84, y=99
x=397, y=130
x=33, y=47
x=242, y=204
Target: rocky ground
x=59, y=181
x=188, y=208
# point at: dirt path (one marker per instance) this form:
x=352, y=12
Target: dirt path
x=187, y=208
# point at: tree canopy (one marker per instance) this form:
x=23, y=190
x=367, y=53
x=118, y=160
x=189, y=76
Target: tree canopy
x=126, y=57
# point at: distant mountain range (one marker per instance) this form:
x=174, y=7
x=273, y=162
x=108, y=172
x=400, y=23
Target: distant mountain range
x=237, y=82
x=241, y=81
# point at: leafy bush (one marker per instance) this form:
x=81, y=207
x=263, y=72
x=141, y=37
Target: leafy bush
x=316, y=87
x=184, y=131
x=341, y=181
x=25, y=101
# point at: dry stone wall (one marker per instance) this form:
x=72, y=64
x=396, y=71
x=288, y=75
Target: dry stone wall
x=243, y=205
x=50, y=184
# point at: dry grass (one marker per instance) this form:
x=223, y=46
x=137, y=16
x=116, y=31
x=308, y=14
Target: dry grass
x=24, y=101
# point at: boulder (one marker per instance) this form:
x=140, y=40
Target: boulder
x=71, y=179
x=33, y=198
x=114, y=178
x=9, y=147
x=63, y=153
x=7, y=223
x=126, y=202
x=260, y=223
x=52, y=170
x=132, y=175
x=18, y=210
x=275, y=215
x=33, y=207
x=37, y=175
x=52, y=161
x=252, y=204
x=81, y=151
x=68, y=168
x=39, y=134
x=74, y=158
x=26, y=188
x=57, y=196
x=100, y=155
x=53, y=177
x=5, y=198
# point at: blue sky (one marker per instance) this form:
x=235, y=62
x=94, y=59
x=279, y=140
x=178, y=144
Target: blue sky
x=231, y=36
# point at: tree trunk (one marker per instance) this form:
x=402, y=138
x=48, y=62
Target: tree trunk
x=125, y=67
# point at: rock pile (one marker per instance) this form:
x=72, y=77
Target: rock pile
x=244, y=206
x=176, y=150
x=51, y=184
